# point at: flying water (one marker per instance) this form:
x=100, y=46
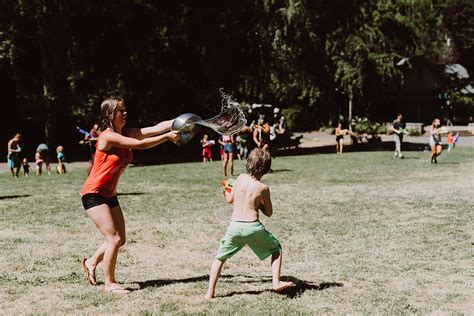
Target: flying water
x=230, y=120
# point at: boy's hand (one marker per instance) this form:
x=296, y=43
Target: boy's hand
x=227, y=196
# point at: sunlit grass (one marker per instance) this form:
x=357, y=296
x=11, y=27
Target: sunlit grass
x=361, y=232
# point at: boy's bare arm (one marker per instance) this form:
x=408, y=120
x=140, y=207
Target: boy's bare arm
x=229, y=196
x=266, y=204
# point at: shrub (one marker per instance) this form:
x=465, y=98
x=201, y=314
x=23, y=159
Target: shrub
x=291, y=116
x=365, y=126
x=414, y=132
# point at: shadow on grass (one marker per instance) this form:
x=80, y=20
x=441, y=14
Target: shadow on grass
x=280, y=170
x=377, y=146
x=295, y=291
x=131, y=193
x=158, y=283
x=6, y=197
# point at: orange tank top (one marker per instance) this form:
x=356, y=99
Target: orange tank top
x=107, y=168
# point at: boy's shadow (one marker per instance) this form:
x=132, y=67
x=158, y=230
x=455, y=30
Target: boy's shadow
x=295, y=291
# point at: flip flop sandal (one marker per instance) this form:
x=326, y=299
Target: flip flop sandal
x=89, y=276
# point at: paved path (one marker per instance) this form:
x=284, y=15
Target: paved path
x=318, y=139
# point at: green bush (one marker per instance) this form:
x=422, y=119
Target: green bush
x=414, y=132
x=291, y=116
x=365, y=126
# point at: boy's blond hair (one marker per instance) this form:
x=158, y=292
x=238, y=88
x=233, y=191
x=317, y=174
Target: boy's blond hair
x=258, y=162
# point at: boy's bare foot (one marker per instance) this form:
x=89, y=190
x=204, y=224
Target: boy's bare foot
x=280, y=286
x=209, y=297
x=116, y=289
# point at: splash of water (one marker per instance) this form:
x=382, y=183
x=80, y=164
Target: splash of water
x=230, y=120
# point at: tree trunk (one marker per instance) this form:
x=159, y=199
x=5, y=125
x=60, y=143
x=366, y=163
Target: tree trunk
x=53, y=65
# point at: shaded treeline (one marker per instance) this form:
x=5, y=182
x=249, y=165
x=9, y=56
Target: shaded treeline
x=58, y=59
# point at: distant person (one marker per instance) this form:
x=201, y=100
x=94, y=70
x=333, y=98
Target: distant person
x=206, y=149
x=13, y=156
x=272, y=135
x=397, y=128
x=42, y=157
x=281, y=125
x=227, y=141
x=99, y=193
x=237, y=147
x=242, y=145
x=435, y=140
x=26, y=167
x=249, y=196
x=221, y=147
x=61, y=168
x=452, y=140
x=91, y=140
x=261, y=134
x=339, y=138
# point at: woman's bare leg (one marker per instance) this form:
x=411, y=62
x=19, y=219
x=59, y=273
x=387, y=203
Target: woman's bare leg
x=231, y=164
x=111, y=224
x=224, y=164
x=433, y=153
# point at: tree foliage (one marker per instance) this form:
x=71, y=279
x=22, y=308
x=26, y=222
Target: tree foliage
x=167, y=57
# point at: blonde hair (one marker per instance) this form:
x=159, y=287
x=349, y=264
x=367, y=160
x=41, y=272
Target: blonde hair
x=107, y=112
x=18, y=137
x=258, y=162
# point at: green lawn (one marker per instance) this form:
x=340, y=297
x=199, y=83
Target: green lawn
x=361, y=233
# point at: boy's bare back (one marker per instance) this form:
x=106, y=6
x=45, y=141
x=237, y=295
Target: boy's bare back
x=249, y=195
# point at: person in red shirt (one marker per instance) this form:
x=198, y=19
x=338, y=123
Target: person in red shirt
x=99, y=195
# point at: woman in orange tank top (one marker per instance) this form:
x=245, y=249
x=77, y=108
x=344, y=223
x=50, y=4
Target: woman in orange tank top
x=99, y=195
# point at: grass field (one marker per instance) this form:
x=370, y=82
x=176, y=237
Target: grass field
x=361, y=233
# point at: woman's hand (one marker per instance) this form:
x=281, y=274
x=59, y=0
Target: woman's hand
x=173, y=136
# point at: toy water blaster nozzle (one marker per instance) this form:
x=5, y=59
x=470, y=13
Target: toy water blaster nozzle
x=228, y=184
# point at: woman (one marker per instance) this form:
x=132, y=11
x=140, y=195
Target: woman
x=99, y=196
x=13, y=157
x=435, y=140
x=227, y=141
x=261, y=134
x=339, y=138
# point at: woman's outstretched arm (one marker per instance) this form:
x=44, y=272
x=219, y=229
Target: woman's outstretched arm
x=141, y=133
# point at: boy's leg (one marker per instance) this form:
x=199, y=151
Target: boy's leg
x=214, y=275
x=278, y=285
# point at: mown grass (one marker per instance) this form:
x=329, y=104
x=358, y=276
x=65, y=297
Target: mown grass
x=361, y=233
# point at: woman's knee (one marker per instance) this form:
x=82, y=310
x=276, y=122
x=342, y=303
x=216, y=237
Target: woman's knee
x=117, y=239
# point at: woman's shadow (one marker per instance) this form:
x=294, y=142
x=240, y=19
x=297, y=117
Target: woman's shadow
x=295, y=291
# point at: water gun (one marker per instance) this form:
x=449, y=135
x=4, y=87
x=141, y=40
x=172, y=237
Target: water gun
x=228, y=184
x=456, y=138
x=80, y=130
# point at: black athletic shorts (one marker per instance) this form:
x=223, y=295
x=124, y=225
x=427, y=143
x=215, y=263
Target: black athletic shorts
x=93, y=199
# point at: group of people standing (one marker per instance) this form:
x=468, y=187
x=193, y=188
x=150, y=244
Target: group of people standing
x=16, y=160
x=398, y=128
x=261, y=134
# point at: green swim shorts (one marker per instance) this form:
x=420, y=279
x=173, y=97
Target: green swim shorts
x=253, y=234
